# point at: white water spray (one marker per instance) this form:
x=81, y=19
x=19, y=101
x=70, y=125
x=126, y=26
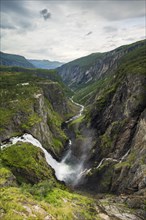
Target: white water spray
x=61, y=169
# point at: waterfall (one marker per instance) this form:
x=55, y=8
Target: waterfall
x=69, y=169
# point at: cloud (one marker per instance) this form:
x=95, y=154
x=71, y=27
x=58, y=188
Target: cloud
x=110, y=29
x=14, y=6
x=113, y=10
x=89, y=33
x=45, y=13
x=17, y=15
x=69, y=34
x=7, y=26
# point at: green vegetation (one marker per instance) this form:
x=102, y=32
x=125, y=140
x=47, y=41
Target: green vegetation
x=32, y=120
x=85, y=62
x=6, y=177
x=14, y=60
x=75, y=126
x=23, y=106
x=42, y=198
x=106, y=141
x=26, y=162
x=58, y=204
x=129, y=161
x=134, y=62
x=77, y=121
x=10, y=76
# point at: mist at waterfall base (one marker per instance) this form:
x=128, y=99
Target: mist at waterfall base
x=69, y=170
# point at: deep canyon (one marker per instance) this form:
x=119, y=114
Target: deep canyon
x=75, y=158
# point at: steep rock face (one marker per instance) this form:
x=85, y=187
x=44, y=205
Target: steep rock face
x=34, y=107
x=120, y=132
x=93, y=67
x=57, y=98
x=133, y=176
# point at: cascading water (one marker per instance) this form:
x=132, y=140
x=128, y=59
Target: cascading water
x=69, y=169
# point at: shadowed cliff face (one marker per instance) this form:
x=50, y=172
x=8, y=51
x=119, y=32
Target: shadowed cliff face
x=115, y=113
x=86, y=70
x=118, y=162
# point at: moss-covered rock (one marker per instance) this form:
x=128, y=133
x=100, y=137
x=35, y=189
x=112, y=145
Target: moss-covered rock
x=7, y=178
x=27, y=163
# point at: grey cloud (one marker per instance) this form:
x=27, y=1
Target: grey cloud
x=89, y=33
x=7, y=26
x=14, y=6
x=45, y=13
x=112, y=9
x=16, y=15
x=110, y=29
x=129, y=39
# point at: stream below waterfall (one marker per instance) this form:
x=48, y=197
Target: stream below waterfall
x=69, y=169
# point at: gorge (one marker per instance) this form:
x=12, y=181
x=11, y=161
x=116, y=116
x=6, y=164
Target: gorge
x=53, y=146
x=69, y=172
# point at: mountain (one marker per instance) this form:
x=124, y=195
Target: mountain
x=116, y=115
x=110, y=138
x=45, y=64
x=14, y=60
x=86, y=70
x=66, y=161
x=17, y=60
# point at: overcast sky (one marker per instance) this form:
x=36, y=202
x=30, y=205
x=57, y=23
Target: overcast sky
x=66, y=30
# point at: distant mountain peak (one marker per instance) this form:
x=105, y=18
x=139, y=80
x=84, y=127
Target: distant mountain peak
x=45, y=64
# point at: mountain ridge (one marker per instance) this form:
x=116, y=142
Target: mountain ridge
x=106, y=145
x=7, y=59
x=14, y=60
x=88, y=69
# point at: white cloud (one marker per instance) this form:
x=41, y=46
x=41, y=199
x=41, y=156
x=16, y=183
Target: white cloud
x=70, y=29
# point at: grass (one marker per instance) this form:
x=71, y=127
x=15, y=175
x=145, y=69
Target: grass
x=59, y=204
x=26, y=162
x=77, y=121
x=45, y=197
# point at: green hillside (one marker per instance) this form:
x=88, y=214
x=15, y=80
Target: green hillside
x=133, y=62
x=14, y=60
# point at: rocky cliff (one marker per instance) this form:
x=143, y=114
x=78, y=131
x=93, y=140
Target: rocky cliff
x=31, y=105
x=86, y=70
x=117, y=114
x=120, y=133
x=108, y=141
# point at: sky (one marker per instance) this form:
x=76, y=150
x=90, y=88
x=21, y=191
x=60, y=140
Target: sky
x=66, y=30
